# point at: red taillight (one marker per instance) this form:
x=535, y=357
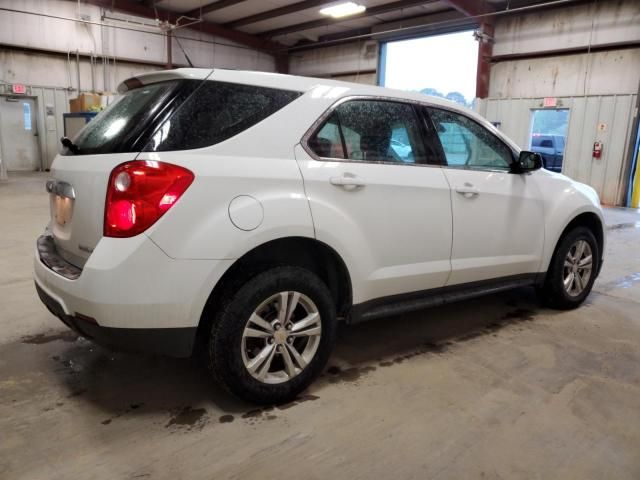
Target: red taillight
x=139, y=193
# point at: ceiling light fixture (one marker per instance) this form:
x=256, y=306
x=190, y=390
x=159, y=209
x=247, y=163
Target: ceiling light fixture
x=343, y=9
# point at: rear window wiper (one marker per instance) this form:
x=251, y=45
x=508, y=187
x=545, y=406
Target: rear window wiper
x=67, y=143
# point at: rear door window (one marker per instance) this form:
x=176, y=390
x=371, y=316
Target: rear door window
x=371, y=131
x=216, y=112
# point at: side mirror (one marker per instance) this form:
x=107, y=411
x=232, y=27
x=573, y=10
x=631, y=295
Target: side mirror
x=527, y=162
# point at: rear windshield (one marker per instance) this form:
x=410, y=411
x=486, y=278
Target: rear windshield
x=218, y=111
x=117, y=127
x=178, y=115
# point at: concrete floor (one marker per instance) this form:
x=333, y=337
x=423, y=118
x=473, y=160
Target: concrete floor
x=492, y=388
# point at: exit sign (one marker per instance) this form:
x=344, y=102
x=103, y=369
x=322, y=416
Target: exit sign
x=550, y=102
x=19, y=88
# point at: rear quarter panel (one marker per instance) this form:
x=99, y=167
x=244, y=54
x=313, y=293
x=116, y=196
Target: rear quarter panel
x=199, y=225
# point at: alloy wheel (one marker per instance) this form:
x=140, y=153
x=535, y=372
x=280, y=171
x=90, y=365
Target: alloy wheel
x=281, y=337
x=577, y=268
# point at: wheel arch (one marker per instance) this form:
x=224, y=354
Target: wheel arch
x=588, y=220
x=308, y=253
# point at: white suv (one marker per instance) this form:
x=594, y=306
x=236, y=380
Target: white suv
x=245, y=213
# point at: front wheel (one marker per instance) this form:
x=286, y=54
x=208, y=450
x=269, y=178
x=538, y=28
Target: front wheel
x=572, y=271
x=274, y=336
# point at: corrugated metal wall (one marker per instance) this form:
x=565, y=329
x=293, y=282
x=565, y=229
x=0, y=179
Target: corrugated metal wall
x=606, y=174
x=598, y=84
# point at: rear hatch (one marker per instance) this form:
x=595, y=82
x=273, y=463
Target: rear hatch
x=81, y=172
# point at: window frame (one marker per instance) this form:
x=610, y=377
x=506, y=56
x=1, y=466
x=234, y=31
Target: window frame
x=445, y=164
x=322, y=119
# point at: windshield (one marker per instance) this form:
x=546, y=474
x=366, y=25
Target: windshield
x=117, y=127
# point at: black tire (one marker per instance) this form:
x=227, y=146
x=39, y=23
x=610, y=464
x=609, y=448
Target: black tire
x=553, y=292
x=225, y=342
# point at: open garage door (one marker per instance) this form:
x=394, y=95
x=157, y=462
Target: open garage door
x=440, y=65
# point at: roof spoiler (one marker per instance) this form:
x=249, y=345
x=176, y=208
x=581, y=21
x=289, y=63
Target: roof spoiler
x=164, y=75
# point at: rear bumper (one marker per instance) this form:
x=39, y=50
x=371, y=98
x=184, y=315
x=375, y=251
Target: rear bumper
x=175, y=342
x=129, y=295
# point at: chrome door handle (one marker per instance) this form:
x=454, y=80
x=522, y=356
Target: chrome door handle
x=468, y=191
x=347, y=181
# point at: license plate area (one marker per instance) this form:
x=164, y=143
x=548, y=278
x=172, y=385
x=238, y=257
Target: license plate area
x=62, y=210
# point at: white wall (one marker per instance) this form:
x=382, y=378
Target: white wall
x=33, y=51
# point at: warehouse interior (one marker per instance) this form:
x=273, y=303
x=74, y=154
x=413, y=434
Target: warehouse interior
x=496, y=387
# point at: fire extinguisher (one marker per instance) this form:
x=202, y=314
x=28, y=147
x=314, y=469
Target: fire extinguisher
x=597, y=149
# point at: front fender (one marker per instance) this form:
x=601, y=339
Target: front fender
x=564, y=199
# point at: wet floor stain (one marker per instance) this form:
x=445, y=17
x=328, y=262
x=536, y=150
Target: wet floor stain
x=256, y=412
x=187, y=417
x=226, y=419
x=348, y=375
x=523, y=314
x=425, y=349
x=470, y=335
x=621, y=226
x=42, y=338
x=298, y=401
x=511, y=317
x=78, y=392
x=260, y=414
x=120, y=413
x=628, y=281
x=52, y=407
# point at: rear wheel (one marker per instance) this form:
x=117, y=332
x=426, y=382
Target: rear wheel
x=572, y=271
x=273, y=336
